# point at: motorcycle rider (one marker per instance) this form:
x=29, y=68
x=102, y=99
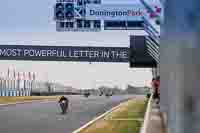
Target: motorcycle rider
x=64, y=103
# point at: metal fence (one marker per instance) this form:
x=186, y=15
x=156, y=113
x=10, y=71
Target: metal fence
x=9, y=87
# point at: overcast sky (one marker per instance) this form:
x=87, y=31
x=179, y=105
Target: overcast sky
x=31, y=22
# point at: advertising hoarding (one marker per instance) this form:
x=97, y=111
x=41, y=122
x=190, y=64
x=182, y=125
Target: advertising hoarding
x=115, y=12
x=64, y=53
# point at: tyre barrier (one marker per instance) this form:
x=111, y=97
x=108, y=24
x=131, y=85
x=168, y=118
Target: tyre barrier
x=14, y=93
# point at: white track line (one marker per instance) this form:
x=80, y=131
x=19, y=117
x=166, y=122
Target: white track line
x=125, y=119
x=40, y=101
x=97, y=118
x=147, y=116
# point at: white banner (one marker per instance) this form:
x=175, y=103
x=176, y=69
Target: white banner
x=115, y=12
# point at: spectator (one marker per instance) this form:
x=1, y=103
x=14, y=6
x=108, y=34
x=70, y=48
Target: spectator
x=156, y=87
x=152, y=82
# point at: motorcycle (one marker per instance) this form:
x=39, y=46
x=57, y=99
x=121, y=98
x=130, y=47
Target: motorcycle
x=64, y=106
x=87, y=95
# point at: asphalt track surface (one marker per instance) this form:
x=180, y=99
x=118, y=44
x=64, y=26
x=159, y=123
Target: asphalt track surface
x=45, y=117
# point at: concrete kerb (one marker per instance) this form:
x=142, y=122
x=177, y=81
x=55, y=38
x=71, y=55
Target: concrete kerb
x=98, y=118
x=147, y=116
x=164, y=120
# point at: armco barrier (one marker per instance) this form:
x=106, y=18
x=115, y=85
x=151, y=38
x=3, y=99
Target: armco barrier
x=4, y=92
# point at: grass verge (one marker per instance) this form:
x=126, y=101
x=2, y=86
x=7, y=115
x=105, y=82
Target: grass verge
x=7, y=100
x=126, y=119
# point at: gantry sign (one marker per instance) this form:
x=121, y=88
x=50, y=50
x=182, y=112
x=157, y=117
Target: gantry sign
x=143, y=52
x=90, y=15
x=77, y=15
x=64, y=53
x=93, y=15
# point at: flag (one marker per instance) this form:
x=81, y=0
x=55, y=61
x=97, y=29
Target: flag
x=8, y=72
x=29, y=75
x=24, y=76
x=14, y=74
x=158, y=10
x=18, y=76
x=152, y=15
x=33, y=76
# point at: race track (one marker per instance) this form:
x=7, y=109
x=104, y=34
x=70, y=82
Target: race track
x=45, y=117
